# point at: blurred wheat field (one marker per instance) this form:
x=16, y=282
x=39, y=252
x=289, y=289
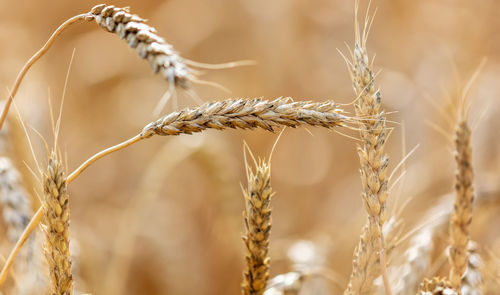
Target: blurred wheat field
x=164, y=216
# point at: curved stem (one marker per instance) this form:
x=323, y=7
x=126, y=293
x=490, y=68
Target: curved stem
x=101, y=154
x=34, y=59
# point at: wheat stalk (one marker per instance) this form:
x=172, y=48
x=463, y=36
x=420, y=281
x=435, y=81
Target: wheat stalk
x=462, y=211
x=56, y=227
x=257, y=216
x=373, y=163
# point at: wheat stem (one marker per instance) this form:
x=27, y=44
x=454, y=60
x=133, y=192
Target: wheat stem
x=34, y=59
x=101, y=154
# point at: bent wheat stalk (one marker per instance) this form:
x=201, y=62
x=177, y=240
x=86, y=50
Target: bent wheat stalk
x=35, y=58
x=220, y=115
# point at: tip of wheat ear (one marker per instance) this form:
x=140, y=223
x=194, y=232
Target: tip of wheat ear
x=134, y=30
x=248, y=114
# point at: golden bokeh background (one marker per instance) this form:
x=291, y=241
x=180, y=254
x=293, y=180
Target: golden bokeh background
x=164, y=216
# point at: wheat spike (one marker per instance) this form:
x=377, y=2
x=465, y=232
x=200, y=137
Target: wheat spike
x=257, y=217
x=56, y=227
x=160, y=55
x=373, y=163
x=248, y=114
x=462, y=211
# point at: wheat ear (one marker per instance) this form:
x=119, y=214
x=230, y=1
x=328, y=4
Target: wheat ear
x=56, y=227
x=461, y=216
x=236, y=114
x=257, y=217
x=248, y=114
x=369, y=253
x=161, y=55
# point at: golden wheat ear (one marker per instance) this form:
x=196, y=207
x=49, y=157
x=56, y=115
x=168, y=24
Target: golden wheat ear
x=257, y=217
x=56, y=217
x=249, y=114
x=369, y=256
x=461, y=217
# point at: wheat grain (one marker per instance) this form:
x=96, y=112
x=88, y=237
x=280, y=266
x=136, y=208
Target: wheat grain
x=257, y=216
x=373, y=163
x=462, y=211
x=248, y=114
x=56, y=227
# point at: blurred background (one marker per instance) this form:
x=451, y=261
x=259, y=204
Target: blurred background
x=165, y=216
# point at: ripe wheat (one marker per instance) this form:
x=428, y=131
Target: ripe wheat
x=462, y=213
x=369, y=255
x=56, y=227
x=257, y=217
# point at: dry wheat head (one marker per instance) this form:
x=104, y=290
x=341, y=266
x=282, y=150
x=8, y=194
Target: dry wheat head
x=56, y=227
x=257, y=217
x=248, y=114
x=462, y=211
x=373, y=163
